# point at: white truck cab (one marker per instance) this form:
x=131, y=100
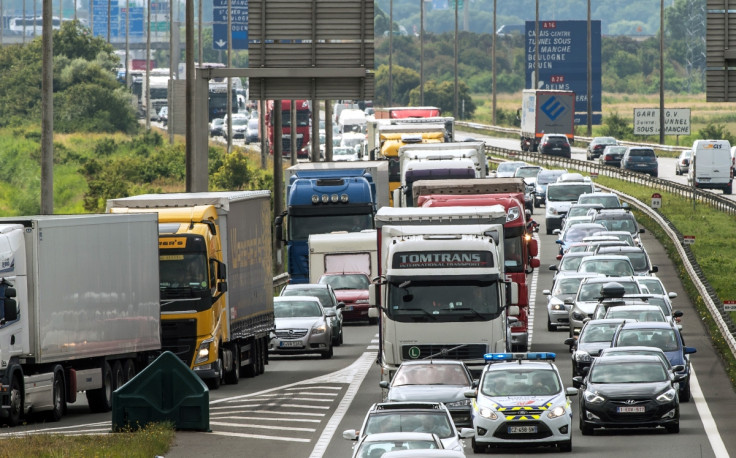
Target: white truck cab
x=711, y=165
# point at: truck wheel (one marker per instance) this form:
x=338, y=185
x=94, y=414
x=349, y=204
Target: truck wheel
x=59, y=396
x=232, y=377
x=16, y=403
x=100, y=400
x=118, y=376
x=251, y=369
x=214, y=382
x=128, y=370
x=262, y=356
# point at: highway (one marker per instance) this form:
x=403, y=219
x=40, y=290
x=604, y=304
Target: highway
x=301, y=405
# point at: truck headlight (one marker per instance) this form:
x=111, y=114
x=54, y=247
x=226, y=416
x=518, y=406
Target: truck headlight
x=321, y=329
x=203, y=353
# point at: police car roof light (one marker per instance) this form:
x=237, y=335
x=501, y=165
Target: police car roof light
x=539, y=356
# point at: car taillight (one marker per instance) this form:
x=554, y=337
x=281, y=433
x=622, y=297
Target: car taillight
x=607, y=157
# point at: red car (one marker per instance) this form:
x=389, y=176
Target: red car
x=352, y=289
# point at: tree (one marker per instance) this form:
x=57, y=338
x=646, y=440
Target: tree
x=442, y=96
x=404, y=80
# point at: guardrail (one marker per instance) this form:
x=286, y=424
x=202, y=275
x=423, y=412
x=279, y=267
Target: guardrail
x=279, y=281
x=723, y=320
x=515, y=131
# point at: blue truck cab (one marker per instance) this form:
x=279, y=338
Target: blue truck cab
x=321, y=201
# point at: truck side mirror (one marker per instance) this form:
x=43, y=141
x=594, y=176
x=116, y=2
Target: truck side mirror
x=533, y=248
x=372, y=294
x=278, y=227
x=512, y=293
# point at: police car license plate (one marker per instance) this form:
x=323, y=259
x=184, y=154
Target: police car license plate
x=522, y=429
x=290, y=343
x=630, y=409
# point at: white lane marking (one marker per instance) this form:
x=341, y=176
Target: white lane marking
x=255, y=425
x=300, y=388
x=709, y=424
x=374, y=341
x=533, y=294
x=359, y=369
x=259, y=436
x=301, y=406
x=372, y=347
x=240, y=417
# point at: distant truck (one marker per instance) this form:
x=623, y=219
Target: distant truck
x=520, y=248
x=80, y=309
x=328, y=196
x=442, y=290
x=711, y=165
x=303, y=127
x=216, y=278
x=159, y=92
x=546, y=112
x=437, y=161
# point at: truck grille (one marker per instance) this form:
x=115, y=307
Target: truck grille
x=291, y=333
x=447, y=351
x=286, y=143
x=180, y=338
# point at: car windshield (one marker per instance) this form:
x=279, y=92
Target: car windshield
x=577, y=232
x=320, y=293
x=548, y=177
x=631, y=372
x=607, y=201
x=616, y=351
x=638, y=260
x=621, y=235
x=296, y=309
x=615, y=149
x=598, y=332
x=566, y=286
x=346, y=281
x=509, y=166
x=570, y=263
x=240, y=121
x=417, y=421
x=576, y=210
x=604, y=141
x=343, y=151
x=527, y=172
x=618, y=224
x=374, y=449
x=653, y=285
x=611, y=267
x=634, y=314
x=431, y=374
x=538, y=382
x=664, y=339
x=592, y=291
x=567, y=193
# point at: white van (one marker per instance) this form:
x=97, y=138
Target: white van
x=711, y=166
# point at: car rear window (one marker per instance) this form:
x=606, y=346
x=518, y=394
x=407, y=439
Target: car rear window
x=556, y=140
x=642, y=152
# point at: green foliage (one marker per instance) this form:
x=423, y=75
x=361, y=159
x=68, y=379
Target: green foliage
x=233, y=174
x=715, y=132
x=615, y=126
x=404, y=80
x=442, y=95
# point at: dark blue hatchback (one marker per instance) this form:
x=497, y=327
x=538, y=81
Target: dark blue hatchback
x=640, y=159
x=665, y=336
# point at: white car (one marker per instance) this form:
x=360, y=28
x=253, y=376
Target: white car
x=521, y=401
x=379, y=444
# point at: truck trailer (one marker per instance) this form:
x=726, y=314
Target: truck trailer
x=546, y=112
x=328, y=196
x=80, y=309
x=442, y=290
x=216, y=278
x=520, y=248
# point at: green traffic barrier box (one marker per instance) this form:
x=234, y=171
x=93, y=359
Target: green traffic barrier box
x=166, y=390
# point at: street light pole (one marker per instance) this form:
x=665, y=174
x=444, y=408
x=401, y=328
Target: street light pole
x=421, y=52
x=493, y=63
x=661, y=72
x=536, y=46
x=390, y=53
x=456, y=113
x=590, y=77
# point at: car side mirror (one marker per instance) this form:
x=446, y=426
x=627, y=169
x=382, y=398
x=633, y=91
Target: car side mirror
x=350, y=434
x=672, y=295
x=547, y=292
x=471, y=394
x=571, y=391
x=677, y=313
x=383, y=384
x=553, y=267
x=654, y=269
x=577, y=382
x=340, y=305
x=466, y=433
x=641, y=231
x=570, y=341
x=690, y=350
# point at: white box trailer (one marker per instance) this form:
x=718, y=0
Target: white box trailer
x=80, y=309
x=343, y=252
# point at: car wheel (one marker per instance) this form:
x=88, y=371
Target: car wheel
x=339, y=339
x=585, y=429
x=550, y=326
x=328, y=354
x=566, y=446
x=685, y=393
x=478, y=448
x=728, y=189
x=537, y=204
x=674, y=428
x=549, y=230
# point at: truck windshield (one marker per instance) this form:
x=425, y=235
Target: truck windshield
x=512, y=254
x=302, y=118
x=159, y=93
x=443, y=300
x=300, y=227
x=188, y=270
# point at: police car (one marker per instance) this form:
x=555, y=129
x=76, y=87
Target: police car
x=520, y=401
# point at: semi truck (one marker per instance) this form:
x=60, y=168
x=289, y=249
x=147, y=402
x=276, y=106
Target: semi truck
x=158, y=91
x=216, y=278
x=437, y=161
x=546, y=112
x=442, y=290
x=303, y=127
x=328, y=196
x=520, y=248
x=80, y=309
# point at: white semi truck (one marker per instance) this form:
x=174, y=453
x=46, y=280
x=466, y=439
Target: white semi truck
x=80, y=309
x=437, y=161
x=442, y=290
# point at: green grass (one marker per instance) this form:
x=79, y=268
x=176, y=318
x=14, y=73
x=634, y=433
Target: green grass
x=153, y=440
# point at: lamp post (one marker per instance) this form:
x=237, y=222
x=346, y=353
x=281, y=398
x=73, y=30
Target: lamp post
x=421, y=52
x=590, y=77
x=456, y=112
x=536, y=46
x=390, y=53
x=493, y=63
x=661, y=72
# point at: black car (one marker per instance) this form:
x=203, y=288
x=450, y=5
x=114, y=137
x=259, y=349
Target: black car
x=594, y=337
x=597, y=145
x=640, y=159
x=629, y=391
x=612, y=155
x=555, y=144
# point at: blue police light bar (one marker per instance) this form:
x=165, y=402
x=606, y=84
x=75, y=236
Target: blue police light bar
x=538, y=356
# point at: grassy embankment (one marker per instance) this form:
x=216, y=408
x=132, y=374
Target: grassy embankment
x=153, y=440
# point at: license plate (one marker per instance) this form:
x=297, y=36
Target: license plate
x=630, y=409
x=556, y=149
x=522, y=429
x=703, y=179
x=290, y=343
x=348, y=308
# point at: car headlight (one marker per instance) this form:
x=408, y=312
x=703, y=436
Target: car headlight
x=583, y=357
x=203, y=353
x=593, y=398
x=321, y=329
x=556, y=412
x=557, y=306
x=488, y=413
x=667, y=396
x=464, y=402
x=553, y=211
